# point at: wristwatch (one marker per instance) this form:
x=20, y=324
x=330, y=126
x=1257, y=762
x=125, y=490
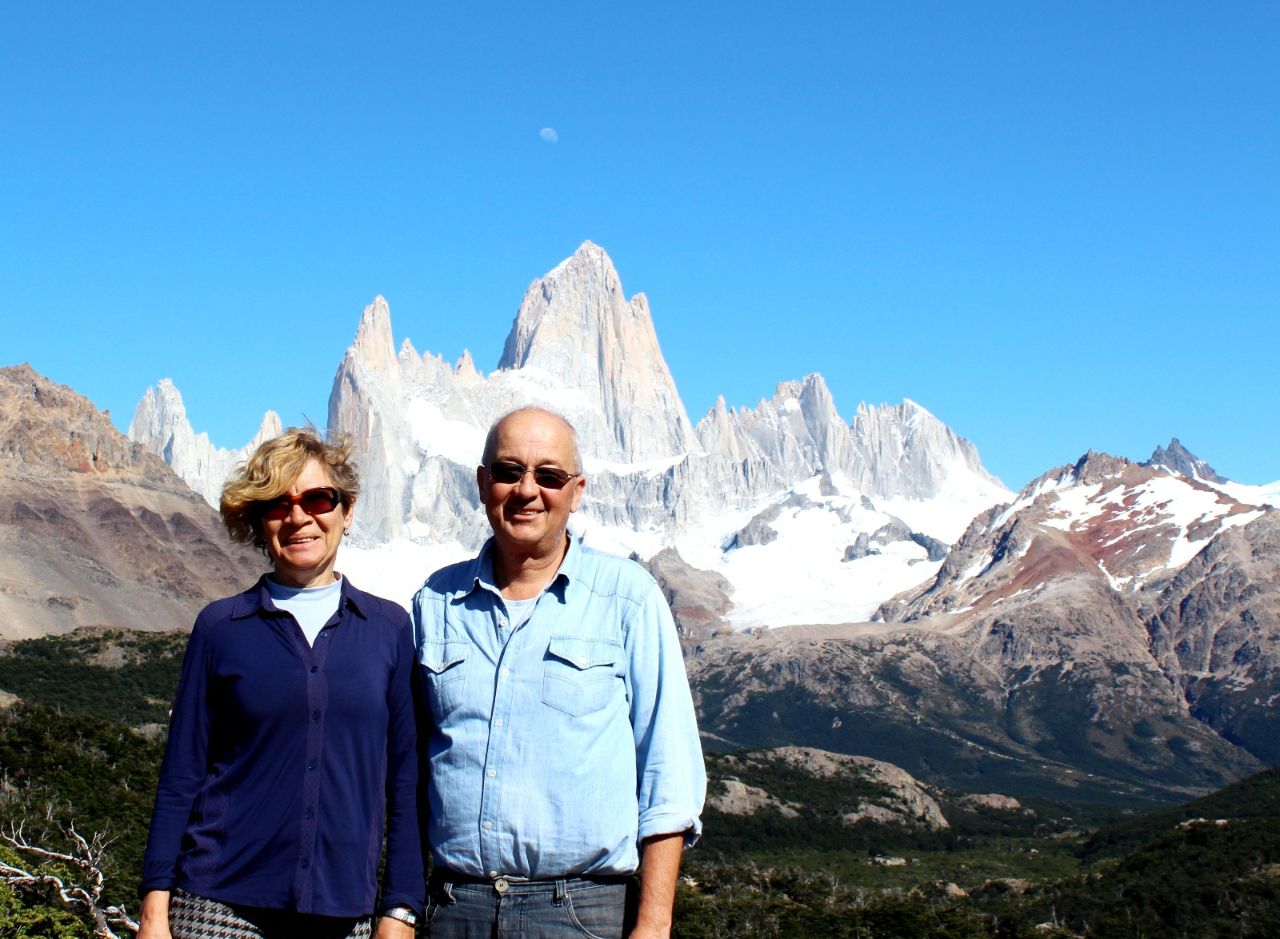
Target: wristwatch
x=402, y=913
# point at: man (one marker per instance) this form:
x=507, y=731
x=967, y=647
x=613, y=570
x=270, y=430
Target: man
x=562, y=747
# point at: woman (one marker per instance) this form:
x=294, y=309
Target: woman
x=291, y=744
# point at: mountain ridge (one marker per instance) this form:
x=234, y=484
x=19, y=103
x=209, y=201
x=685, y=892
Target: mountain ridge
x=1108, y=630
x=94, y=529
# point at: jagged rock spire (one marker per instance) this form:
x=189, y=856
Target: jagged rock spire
x=1178, y=458
x=161, y=425
x=576, y=324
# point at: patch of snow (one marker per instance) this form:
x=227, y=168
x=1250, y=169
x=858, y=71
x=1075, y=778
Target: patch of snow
x=811, y=488
x=943, y=518
x=436, y=434
x=1045, y=485
x=591, y=465
x=1252, y=495
x=617, y=540
x=1075, y=504
x=1117, y=583
x=1184, y=549
x=395, y=570
x=801, y=577
x=1169, y=500
x=974, y=569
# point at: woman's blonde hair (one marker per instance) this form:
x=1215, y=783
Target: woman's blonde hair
x=272, y=469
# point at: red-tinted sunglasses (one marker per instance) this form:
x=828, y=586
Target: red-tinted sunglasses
x=313, y=502
x=548, y=477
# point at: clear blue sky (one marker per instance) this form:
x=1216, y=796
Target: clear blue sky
x=1057, y=226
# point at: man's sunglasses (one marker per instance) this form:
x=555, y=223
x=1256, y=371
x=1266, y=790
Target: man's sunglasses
x=313, y=502
x=548, y=477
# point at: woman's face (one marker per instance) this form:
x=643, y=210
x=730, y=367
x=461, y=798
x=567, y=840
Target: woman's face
x=303, y=547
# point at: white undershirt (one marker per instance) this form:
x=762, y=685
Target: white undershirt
x=519, y=610
x=311, y=606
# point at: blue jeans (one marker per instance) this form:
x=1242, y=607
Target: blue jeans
x=571, y=908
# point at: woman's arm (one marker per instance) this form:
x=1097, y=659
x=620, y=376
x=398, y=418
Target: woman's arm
x=183, y=769
x=404, y=881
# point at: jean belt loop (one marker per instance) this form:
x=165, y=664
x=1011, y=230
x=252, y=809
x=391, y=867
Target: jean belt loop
x=561, y=891
x=447, y=887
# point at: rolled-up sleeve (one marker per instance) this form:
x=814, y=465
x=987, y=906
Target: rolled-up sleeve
x=184, y=767
x=671, y=782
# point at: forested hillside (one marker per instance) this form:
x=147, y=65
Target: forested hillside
x=790, y=848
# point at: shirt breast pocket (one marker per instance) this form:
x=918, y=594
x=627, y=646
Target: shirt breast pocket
x=580, y=676
x=445, y=665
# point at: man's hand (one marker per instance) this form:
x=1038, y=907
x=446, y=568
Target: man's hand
x=659, y=867
x=389, y=928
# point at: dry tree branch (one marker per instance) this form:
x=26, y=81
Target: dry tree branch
x=85, y=859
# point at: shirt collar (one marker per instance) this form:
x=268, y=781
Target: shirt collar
x=257, y=600
x=479, y=576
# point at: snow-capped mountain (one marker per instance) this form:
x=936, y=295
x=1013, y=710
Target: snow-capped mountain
x=1116, y=625
x=860, y=510
x=1179, y=459
x=1104, y=517
x=579, y=347
x=1111, y=627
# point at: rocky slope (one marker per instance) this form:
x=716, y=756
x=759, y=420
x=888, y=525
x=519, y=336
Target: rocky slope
x=1214, y=629
x=870, y=791
x=1114, y=629
x=94, y=530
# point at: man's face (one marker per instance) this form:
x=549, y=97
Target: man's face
x=528, y=519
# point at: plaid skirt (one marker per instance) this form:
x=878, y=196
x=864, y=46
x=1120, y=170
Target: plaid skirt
x=192, y=917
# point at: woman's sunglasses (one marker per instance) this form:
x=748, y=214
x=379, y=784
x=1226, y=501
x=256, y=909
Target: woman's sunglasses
x=548, y=477
x=313, y=502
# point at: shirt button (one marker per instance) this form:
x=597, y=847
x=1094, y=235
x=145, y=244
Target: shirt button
x=311, y=764
x=498, y=722
x=314, y=669
x=308, y=814
x=492, y=773
x=493, y=873
x=506, y=672
x=305, y=864
x=315, y=715
x=582, y=662
x=488, y=825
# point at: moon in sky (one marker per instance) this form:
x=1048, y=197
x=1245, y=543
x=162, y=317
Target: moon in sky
x=549, y=134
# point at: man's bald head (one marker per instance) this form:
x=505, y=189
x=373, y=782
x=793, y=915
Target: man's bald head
x=495, y=433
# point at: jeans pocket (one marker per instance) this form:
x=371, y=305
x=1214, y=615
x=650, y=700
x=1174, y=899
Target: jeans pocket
x=433, y=908
x=597, y=911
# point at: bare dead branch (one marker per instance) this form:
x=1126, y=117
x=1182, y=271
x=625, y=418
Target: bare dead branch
x=85, y=859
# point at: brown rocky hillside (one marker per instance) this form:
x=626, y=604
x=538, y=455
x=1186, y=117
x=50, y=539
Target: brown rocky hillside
x=95, y=531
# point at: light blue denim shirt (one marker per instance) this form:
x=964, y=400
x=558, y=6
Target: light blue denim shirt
x=555, y=747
